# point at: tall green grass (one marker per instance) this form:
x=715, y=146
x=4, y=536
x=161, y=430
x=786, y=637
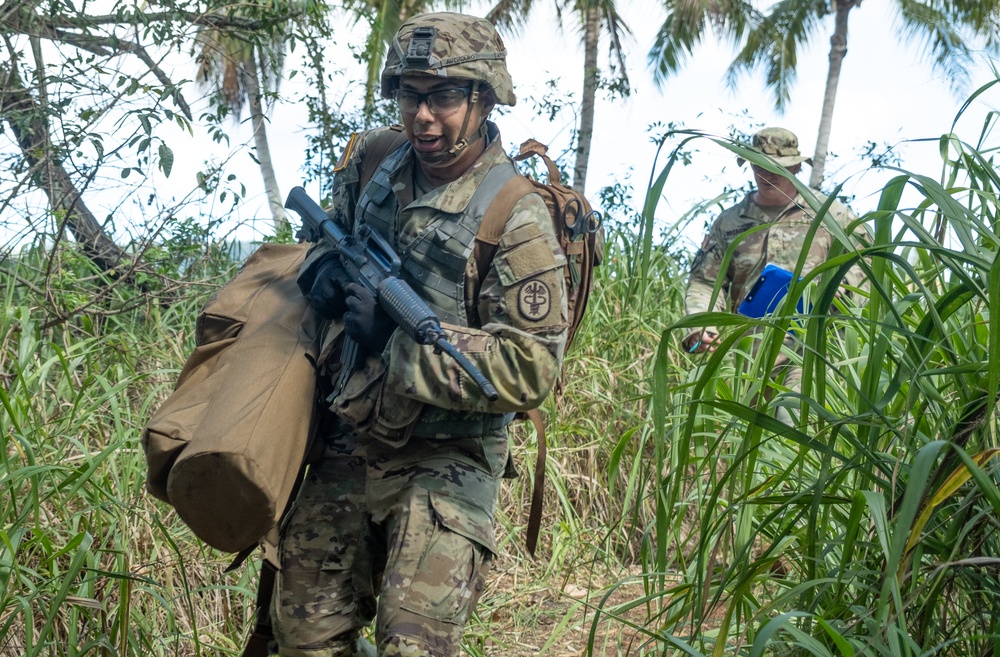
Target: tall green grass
x=89, y=564
x=701, y=524
x=870, y=524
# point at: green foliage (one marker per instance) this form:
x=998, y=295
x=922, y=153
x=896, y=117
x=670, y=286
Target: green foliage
x=867, y=525
x=90, y=103
x=857, y=516
x=88, y=564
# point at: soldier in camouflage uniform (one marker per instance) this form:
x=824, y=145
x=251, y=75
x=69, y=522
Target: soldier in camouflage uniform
x=775, y=203
x=395, y=521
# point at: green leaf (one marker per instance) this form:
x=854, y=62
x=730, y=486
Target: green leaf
x=166, y=159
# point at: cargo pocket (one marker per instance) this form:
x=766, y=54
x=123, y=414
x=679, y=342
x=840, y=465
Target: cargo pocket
x=321, y=552
x=355, y=405
x=395, y=417
x=449, y=579
x=464, y=518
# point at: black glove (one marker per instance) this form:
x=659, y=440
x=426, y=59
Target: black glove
x=327, y=294
x=365, y=321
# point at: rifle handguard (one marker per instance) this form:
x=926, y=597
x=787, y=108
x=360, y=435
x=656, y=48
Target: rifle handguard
x=375, y=265
x=421, y=323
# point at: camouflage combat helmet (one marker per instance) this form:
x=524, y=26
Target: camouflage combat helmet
x=779, y=144
x=449, y=45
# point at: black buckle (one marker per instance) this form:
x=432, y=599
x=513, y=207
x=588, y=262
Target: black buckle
x=419, y=50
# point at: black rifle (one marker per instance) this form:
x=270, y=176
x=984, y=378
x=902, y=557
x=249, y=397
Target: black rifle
x=370, y=261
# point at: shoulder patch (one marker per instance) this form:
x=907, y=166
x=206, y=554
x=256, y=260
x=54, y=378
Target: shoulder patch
x=342, y=162
x=534, y=300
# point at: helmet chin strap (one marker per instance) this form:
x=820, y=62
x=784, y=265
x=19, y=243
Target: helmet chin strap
x=463, y=140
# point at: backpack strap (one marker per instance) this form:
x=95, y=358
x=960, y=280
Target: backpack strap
x=495, y=220
x=538, y=486
x=532, y=147
x=487, y=240
x=383, y=143
x=262, y=634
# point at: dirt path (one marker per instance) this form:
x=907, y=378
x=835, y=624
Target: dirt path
x=523, y=615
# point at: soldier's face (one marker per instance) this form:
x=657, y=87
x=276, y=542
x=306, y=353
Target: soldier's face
x=433, y=127
x=768, y=181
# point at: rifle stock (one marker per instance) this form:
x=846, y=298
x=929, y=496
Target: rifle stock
x=371, y=261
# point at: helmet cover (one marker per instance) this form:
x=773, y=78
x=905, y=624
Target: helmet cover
x=449, y=45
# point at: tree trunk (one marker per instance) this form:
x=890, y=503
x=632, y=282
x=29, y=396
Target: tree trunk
x=838, y=50
x=257, y=122
x=31, y=130
x=592, y=32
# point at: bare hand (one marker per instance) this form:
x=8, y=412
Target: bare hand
x=700, y=342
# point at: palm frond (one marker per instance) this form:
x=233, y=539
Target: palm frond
x=510, y=16
x=618, y=33
x=772, y=43
x=935, y=29
x=686, y=25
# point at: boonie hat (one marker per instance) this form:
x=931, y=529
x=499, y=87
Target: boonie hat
x=780, y=145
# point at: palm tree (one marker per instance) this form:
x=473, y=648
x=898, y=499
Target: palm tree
x=385, y=19
x=241, y=72
x=771, y=39
x=593, y=15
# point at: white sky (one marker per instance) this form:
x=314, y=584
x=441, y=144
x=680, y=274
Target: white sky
x=887, y=93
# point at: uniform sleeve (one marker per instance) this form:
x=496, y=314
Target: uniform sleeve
x=704, y=274
x=520, y=346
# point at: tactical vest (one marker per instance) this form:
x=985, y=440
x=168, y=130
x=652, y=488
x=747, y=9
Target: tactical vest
x=434, y=264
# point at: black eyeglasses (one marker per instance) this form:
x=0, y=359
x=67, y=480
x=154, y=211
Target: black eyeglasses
x=440, y=102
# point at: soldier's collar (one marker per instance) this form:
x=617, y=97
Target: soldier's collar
x=454, y=197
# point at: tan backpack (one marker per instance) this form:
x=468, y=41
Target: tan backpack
x=577, y=225
x=580, y=232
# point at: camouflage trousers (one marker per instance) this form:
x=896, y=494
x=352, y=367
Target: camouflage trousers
x=401, y=535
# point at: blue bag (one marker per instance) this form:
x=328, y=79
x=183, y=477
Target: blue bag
x=767, y=292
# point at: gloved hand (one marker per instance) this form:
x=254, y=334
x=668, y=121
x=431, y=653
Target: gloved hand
x=327, y=294
x=365, y=321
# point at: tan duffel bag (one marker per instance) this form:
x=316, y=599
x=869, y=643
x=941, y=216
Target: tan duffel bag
x=226, y=447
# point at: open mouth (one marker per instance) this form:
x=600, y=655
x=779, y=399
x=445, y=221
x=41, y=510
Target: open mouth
x=426, y=143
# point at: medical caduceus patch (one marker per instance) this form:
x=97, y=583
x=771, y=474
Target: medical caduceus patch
x=534, y=300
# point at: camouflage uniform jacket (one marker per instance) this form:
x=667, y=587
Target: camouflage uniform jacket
x=517, y=348
x=780, y=244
